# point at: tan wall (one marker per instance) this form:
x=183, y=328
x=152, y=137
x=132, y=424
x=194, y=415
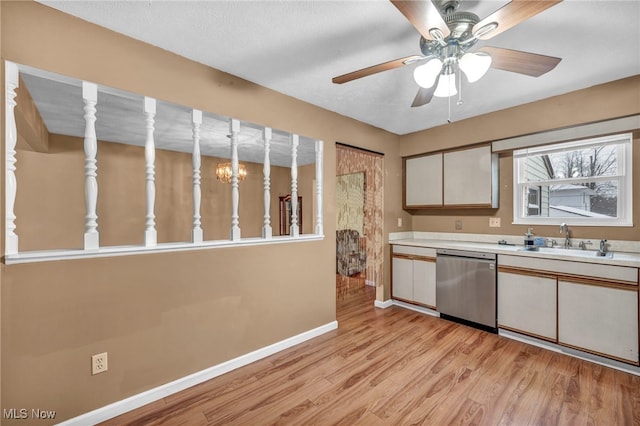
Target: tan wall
x=615, y=99
x=161, y=316
x=50, y=205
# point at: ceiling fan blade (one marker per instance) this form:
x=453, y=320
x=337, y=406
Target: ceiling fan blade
x=424, y=16
x=511, y=15
x=423, y=96
x=521, y=62
x=385, y=66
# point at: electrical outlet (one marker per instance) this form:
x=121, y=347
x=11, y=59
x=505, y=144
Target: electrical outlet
x=494, y=222
x=399, y=222
x=99, y=363
x=458, y=225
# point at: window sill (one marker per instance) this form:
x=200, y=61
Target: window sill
x=55, y=255
x=555, y=221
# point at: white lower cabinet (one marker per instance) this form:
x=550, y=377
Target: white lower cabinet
x=527, y=303
x=414, y=280
x=599, y=319
x=402, y=279
x=424, y=283
x=591, y=307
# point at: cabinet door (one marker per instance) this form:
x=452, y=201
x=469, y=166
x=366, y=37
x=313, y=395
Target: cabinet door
x=527, y=303
x=424, y=283
x=402, y=279
x=470, y=177
x=423, y=181
x=600, y=319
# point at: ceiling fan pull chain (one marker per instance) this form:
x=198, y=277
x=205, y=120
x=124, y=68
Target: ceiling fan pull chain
x=460, y=101
x=449, y=103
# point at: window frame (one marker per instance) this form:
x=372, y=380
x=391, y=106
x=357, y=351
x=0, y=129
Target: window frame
x=624, y=177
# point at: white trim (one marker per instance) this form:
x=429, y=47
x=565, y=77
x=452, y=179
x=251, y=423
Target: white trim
x=617, y=125
x=383, y=305
x=624, y=177
x=627, y=368
x=117, y=408
x=416, y=308
x=51, y=255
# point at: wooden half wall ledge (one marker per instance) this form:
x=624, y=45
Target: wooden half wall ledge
x=590, y=130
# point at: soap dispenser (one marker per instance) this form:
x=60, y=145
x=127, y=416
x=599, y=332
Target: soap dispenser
x=528, y=239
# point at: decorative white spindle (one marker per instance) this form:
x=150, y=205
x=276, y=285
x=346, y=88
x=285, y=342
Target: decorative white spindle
x=266, y=228
x=234, y=129
x=12, y=82
x=319, y=150
x=196, y=232
x=90, y=98
x=150, y=233
x=294, y=229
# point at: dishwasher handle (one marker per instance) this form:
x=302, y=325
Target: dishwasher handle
x=467, y=254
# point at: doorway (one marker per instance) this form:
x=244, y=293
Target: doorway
x=359, y=218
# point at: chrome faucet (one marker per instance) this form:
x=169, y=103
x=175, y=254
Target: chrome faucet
x=567, y=239
x=603, y=248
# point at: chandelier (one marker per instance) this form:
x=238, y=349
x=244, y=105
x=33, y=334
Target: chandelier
x=224, y=172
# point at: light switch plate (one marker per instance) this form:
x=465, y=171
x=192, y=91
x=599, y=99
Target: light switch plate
x=494, y=222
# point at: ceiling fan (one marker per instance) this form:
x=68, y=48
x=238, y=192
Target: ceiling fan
x=446, y=38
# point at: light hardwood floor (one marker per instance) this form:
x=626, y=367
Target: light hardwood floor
x=398, y=367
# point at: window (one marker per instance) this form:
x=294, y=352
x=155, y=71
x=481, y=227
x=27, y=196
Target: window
x=586, y=182
x=533, y=200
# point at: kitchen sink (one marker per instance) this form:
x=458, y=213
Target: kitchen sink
x=568, y=252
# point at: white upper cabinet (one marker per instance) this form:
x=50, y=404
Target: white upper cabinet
x=461, y=178
x=471, y=178
x=423, y=181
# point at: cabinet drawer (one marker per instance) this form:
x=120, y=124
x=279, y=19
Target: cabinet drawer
x=610, y=273
x=415, y=251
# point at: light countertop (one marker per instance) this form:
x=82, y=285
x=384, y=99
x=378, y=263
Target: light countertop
x=618, y=258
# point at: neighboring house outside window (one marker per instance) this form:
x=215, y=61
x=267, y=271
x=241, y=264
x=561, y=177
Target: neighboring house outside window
x=587, y=182
x=534, y=200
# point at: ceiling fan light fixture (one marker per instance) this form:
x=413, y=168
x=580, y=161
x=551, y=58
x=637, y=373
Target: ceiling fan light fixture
x=475, y=65
x=446, y=86
x=425, y=75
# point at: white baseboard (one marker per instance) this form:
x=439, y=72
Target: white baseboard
x=627, y=368
x=416, y=308
x=370, y=282
x=120, y=407
x=384, y=305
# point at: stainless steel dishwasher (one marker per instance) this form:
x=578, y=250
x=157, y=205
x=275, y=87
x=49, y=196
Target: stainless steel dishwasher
x=466, y=287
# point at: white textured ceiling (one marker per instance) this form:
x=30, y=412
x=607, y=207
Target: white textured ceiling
x=120, y=119
x=296, y=47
